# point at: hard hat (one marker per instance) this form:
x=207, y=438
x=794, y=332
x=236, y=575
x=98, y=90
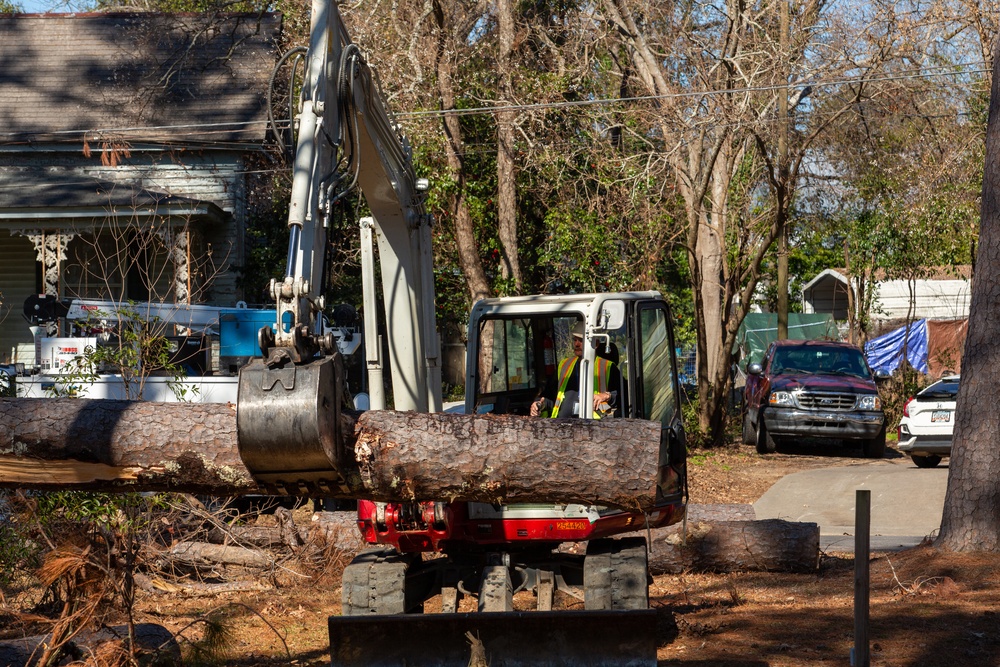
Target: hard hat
x=578, y=330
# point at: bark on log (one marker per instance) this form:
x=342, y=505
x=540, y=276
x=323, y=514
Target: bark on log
x=336, y=529
x=156, y=586
x=769, y=545
x=147, y=446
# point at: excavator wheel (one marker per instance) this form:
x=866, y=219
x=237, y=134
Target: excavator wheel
x=376, y=582
x=615, y=574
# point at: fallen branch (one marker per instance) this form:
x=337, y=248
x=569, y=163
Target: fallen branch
x=204, y=554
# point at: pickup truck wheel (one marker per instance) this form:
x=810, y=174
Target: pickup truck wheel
x=766, y=443
x=749, y=433
x=874, y=448
x=926, y=461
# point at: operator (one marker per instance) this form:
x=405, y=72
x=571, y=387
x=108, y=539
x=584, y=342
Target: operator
x=607, y=384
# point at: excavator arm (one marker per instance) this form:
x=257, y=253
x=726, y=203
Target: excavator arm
x=289, y=401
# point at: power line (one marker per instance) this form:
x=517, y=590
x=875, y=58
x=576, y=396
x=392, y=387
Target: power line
x=206, y=128
x=203, y=129
x=703, y=93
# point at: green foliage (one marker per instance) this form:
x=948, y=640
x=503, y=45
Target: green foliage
x=19, y=551
x=579, y=252
x=119, y=512
x=8, y=7
x=897, y=390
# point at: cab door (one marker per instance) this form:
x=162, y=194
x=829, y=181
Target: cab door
x=656, y=392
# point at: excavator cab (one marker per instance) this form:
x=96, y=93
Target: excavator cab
x=518, y=347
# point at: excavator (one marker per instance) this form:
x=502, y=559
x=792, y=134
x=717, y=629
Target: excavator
x=477, y=561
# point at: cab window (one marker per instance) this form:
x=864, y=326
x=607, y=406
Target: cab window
x=659, y=401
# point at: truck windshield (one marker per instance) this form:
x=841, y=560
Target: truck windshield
x=820, y=360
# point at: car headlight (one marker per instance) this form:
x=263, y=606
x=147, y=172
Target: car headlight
x=869, y=403
x=781, y=398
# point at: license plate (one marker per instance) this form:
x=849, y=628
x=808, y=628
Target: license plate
x=938, y=416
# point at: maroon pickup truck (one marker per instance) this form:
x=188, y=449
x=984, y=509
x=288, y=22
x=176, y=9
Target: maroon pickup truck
x=813, y=389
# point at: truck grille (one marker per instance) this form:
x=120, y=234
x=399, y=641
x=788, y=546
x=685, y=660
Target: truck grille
x=819, y=400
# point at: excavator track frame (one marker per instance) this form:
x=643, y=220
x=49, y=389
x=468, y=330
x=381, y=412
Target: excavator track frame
x=386, y=590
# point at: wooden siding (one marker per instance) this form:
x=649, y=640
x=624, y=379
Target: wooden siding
x=214, y=177
x=933, y=299
x=17, y=283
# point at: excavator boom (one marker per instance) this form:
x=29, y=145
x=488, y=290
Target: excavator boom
x=290, y=399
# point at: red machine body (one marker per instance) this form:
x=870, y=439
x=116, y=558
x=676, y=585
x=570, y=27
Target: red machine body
x=437, y=527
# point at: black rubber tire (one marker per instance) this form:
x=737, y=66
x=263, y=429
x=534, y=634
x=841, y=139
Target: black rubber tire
x=930, y=461
x=766, y=444
x=749, y=432
x=874, y=448
x=616, y=574
x=495, y=590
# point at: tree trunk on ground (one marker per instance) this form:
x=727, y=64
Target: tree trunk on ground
x=335, y=529
x=771, y=545
x=207, y=555
x=146, y=446
x=971, y=518
x=726, y=538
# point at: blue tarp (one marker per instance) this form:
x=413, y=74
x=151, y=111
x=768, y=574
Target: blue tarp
x=886, y=352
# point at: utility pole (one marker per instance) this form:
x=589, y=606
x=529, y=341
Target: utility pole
x=781, y=196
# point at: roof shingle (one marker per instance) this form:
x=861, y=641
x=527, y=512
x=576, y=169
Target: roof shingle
x=174, y=78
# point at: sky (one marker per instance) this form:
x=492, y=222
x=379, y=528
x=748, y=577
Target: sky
x=39, y=6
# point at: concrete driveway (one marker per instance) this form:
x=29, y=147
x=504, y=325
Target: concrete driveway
x=906, y=502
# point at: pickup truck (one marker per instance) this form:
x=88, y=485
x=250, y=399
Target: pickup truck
x=813, y=389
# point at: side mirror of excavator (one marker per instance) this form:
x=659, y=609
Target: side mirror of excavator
x=612, y=316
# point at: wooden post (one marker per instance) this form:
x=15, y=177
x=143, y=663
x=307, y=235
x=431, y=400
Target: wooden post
x=860, y=655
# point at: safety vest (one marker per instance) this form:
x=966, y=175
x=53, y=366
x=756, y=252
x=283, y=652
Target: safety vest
x=602, y=374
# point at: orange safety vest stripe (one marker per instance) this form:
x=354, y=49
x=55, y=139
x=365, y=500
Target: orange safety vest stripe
x=602, y=373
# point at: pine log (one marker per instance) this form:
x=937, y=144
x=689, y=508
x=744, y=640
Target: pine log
x=720, y=545
x=769, y=545
x=146, y=446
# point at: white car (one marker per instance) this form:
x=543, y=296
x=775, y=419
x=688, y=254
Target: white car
x=928, y=423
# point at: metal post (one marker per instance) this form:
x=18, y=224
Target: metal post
x=860, y=654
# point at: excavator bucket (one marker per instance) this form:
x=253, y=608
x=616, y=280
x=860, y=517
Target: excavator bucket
x=497, y=639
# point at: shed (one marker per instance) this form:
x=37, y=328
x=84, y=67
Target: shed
x=942, y=293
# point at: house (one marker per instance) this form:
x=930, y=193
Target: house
x=125, y=145
x=942, y=294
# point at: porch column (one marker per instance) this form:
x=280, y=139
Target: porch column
x=178, y=242
x=50, y=251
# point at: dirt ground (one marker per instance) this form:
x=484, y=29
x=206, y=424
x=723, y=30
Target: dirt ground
x=927, y=608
